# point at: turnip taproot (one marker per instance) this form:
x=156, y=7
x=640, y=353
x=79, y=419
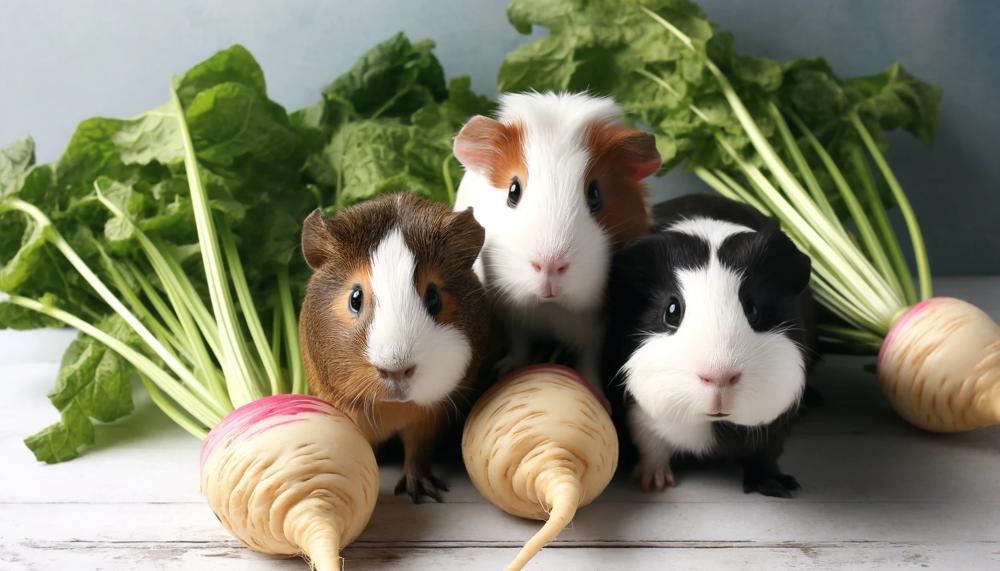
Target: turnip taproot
x=290, y=474
x=540, y=445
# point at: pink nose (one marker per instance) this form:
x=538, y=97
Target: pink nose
x=398, y=375
x=723, y=380
x=550, y=268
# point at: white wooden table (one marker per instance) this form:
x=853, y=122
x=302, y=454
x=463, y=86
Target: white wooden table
x=877, y=494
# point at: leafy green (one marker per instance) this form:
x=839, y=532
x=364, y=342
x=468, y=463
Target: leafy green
x=93, y=383
x=15, y=161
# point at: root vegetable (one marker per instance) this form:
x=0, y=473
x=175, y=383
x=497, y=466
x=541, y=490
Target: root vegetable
x=940, y=366
x=540, y=445
x=288, y=475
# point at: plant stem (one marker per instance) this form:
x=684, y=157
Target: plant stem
x=448, y=184
x=235, y=364
x=882, y=227
x=200, y=409
x=291, y=333
x=250, y=315
x=875, y=252
x=919, y=251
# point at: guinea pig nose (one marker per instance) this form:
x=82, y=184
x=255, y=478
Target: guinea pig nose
x=550, y=268
x=722, y=380
x=398, y=374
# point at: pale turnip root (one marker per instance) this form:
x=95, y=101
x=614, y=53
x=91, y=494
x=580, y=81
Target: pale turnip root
x=940, y=366
x=540, y=445
x=290, y=475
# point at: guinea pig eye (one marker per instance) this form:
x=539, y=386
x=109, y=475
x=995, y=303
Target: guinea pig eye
x=673, y=313
x=514, y=192
x=356, y=300
x=750, y=309
x=432, y=299
x=594, y=201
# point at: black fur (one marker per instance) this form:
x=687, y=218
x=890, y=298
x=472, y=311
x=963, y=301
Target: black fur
x=776, y=275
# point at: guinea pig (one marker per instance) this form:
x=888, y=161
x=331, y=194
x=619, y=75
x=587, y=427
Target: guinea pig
x=394, y=322
x=711, y=334
x=556, y=182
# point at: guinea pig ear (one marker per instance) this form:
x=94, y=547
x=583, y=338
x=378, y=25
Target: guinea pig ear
x=465, y=237
x=317, y=240
x=783, y=261
x=638, y=151
x=475, y=144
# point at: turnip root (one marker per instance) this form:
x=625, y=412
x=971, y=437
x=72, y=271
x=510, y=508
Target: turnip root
x=540, y=445
x=940, y=366
x=289, y=475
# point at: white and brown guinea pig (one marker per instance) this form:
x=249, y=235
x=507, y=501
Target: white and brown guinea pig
x=555, y=180
x=394, y=321
x=711, y=333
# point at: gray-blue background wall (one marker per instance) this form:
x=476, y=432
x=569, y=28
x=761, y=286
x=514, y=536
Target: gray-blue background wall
x=65, y=60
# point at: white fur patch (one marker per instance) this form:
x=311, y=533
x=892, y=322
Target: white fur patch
x=403, y=334
x=714, y=340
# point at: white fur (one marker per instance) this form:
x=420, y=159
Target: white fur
x=714, y=339
x=551, y=219
x=403, y=334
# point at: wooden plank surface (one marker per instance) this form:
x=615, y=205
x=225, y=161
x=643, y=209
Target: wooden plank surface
x=877, y=494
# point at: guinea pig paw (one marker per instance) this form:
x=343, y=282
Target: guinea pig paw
x=421, y=485
x=653, y=478
x=772, y=485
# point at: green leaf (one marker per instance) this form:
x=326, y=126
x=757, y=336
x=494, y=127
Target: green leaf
x=393, y=79
x=152, y=136
x=16, y=160
x=93, y=385
x=232, y=65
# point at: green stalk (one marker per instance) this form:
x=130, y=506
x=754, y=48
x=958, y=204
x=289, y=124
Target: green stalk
x=868, y=238
x=291, y=334
x=882, y=226
x=729, y=188
x=449, y=185
x=235, y=364
x=176, y=413
x=108, y=296
x=202, y=410
x=174, y=344
x=849, y=334
x=250, y=316
x=919, y=252
x=864, y=295
x=803, y=167
x=277, y=327
x=153, y=254
x=871, y=287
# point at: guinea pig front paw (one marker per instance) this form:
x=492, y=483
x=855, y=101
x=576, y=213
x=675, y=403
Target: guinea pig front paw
x=773, y=485
x=653, y=478
x=421, y=485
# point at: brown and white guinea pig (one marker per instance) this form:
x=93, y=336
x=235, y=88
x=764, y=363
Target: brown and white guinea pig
x=711, y=334
x=556, y=182
x=394, y=321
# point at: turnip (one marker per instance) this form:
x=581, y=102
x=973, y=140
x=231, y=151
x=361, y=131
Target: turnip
x=290, y=474
x=286, y=474
x=540, y=445
x=939, y=358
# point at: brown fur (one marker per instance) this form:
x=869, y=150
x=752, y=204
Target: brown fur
x=494, y=148
x=619, y=159
x=334, y=340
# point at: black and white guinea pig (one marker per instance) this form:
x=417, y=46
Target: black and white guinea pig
x=710, y=336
